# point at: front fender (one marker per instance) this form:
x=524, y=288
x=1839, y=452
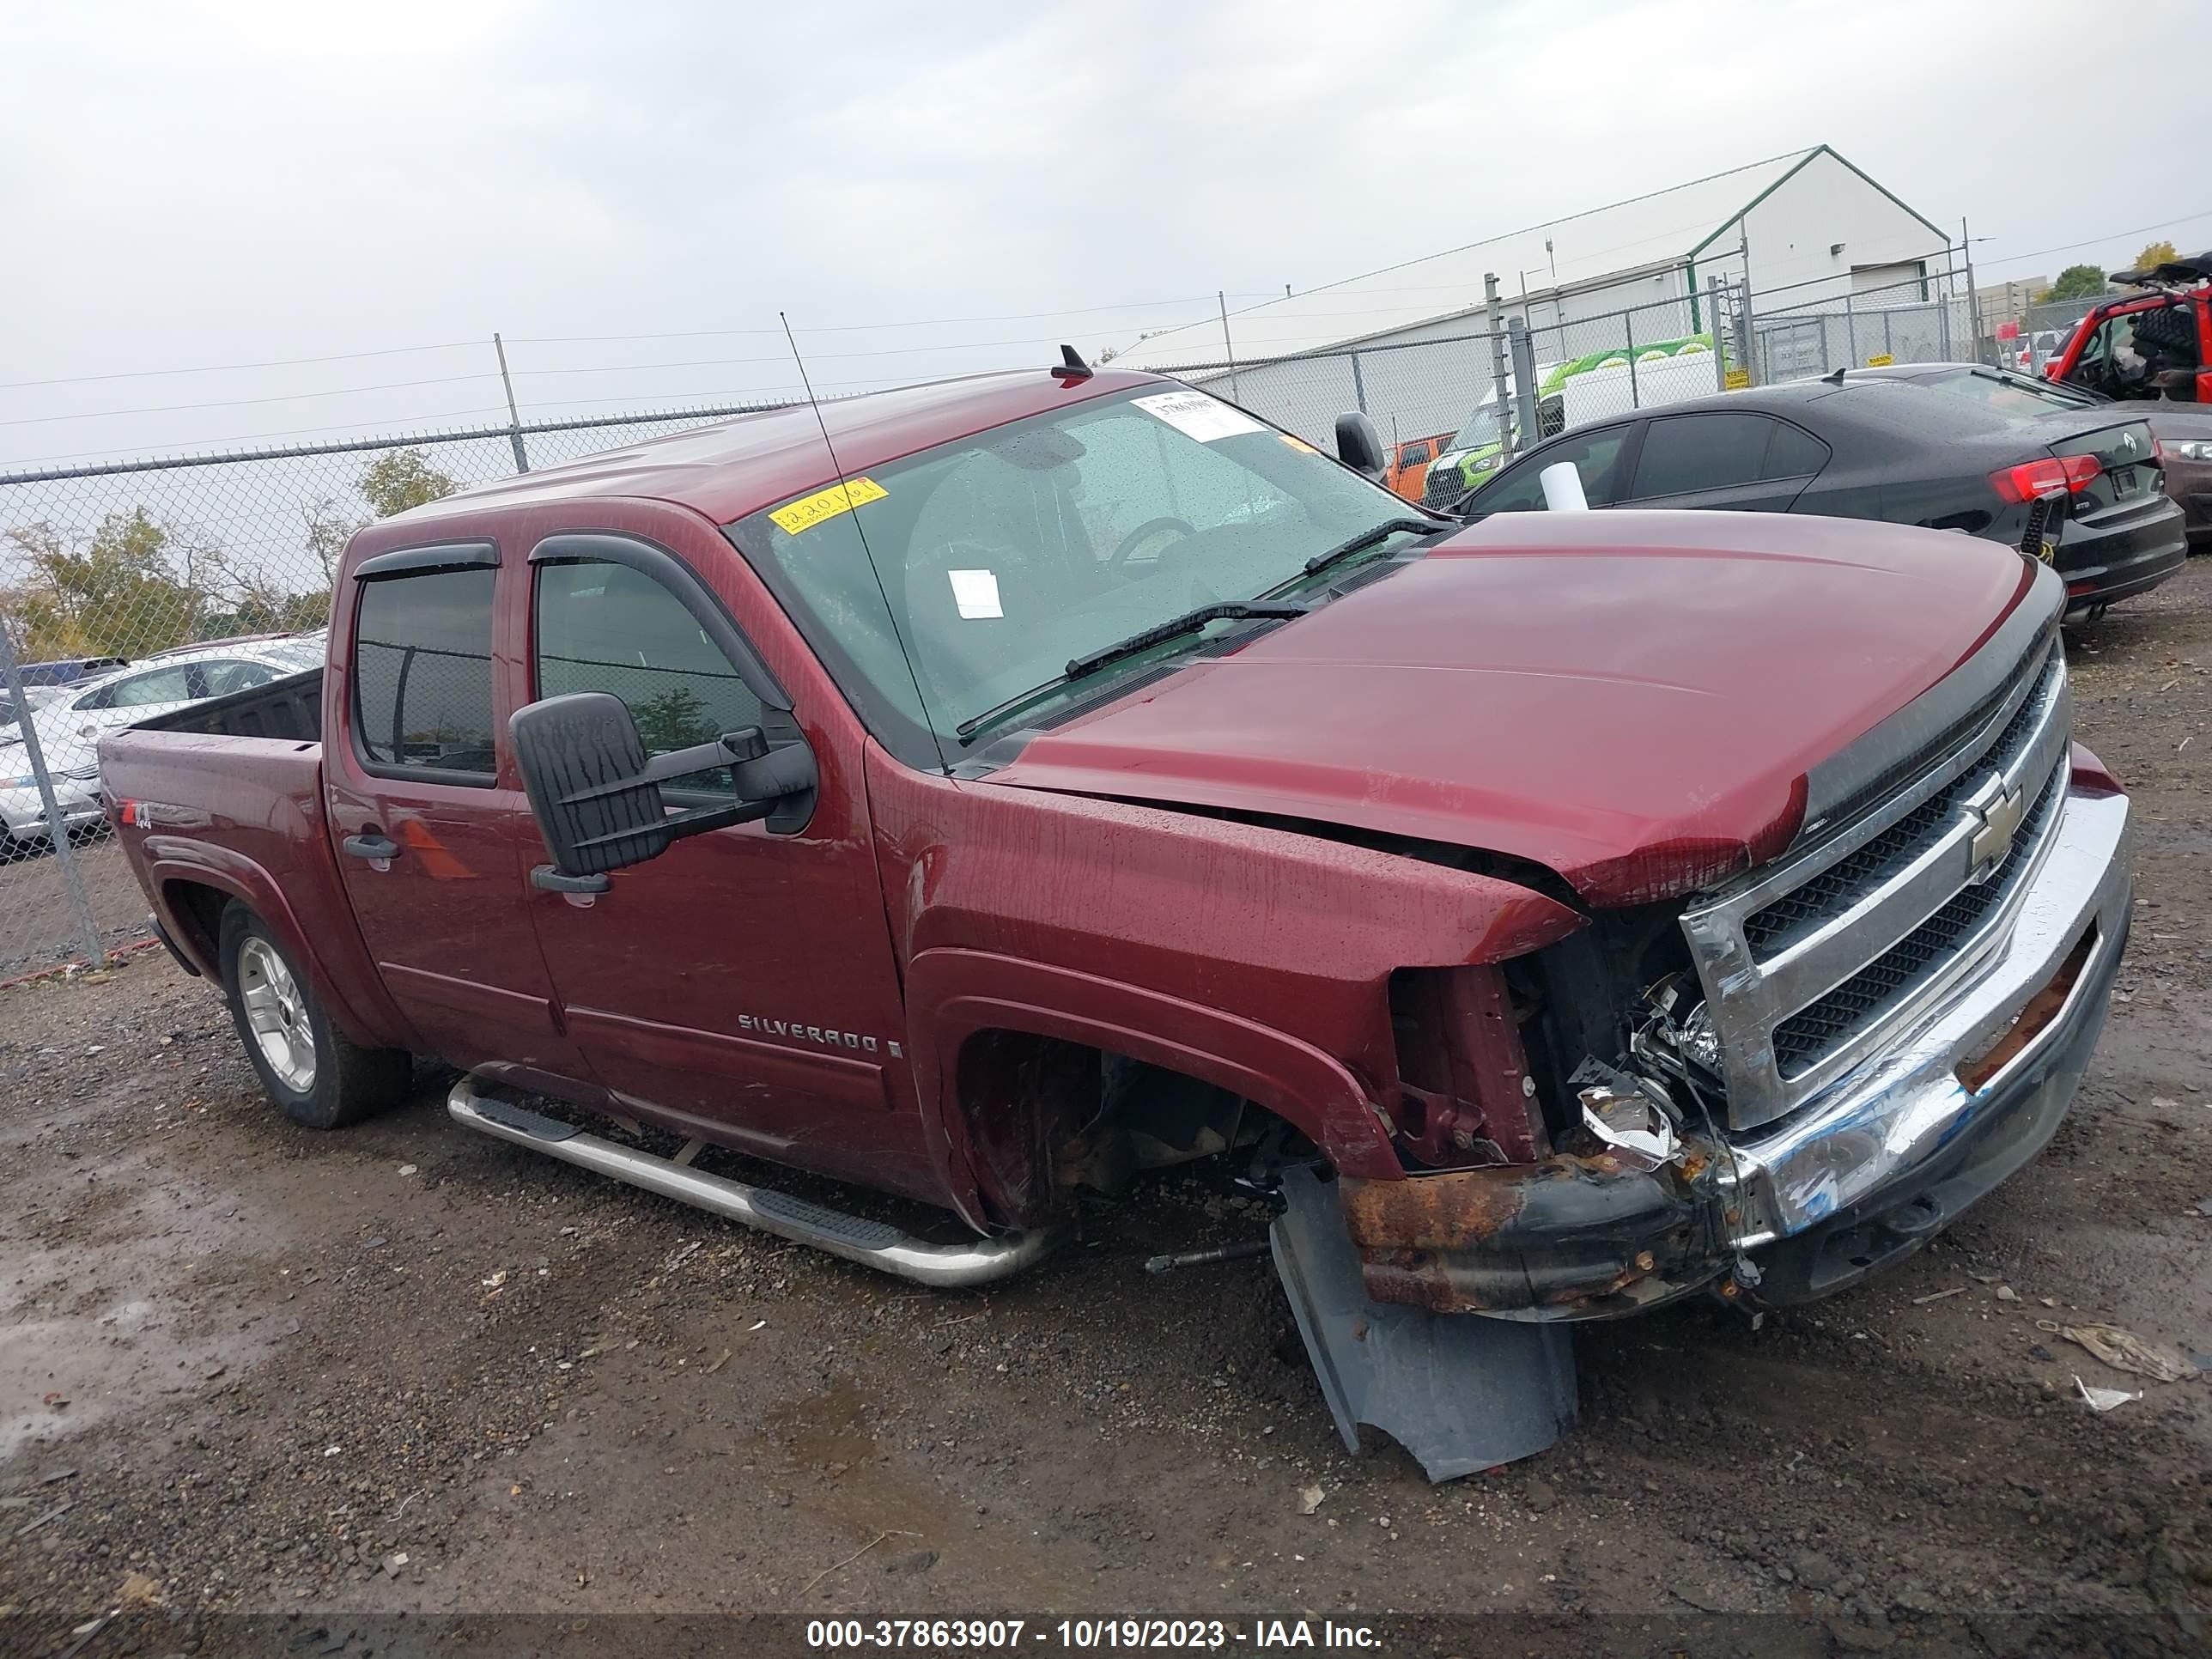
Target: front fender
x=951, y=995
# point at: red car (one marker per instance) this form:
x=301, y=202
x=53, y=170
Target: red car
x=2155, y=343
x=1036, y=778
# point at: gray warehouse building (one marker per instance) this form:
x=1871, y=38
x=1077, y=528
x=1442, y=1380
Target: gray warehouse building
x=1816, y=249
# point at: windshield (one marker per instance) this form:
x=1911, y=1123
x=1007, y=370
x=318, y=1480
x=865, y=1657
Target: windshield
x=998, y=559
x=2007, y=394
x=1480, y=431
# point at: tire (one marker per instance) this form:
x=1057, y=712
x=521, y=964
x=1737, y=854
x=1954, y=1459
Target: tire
x=321, y=1077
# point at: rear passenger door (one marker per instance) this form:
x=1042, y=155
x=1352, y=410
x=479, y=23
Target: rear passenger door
x=1726, y=460
x=423, y=816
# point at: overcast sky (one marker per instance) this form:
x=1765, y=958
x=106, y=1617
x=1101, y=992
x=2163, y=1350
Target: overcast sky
x=220, y=182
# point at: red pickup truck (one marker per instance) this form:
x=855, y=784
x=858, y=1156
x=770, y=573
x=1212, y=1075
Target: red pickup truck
x=982, y=792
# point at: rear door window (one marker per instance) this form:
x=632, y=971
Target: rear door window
x=143, y=691
x=1793, y=452
x=1596, y=456
x=1686, y=454
x=422, y=675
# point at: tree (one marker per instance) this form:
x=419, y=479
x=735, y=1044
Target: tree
x=675, y=719
x=328, y=531
x=2155, y=253
x=2077, y=283
x=116, y=595
x=401, y=478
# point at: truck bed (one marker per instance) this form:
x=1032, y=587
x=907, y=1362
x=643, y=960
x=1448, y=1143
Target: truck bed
x=290, y=708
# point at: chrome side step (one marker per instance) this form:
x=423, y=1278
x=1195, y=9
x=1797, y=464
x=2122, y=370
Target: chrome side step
x=872, y=1243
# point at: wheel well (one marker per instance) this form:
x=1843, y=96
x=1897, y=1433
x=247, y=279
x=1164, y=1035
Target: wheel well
x=199, y=910
x=1045, y=1116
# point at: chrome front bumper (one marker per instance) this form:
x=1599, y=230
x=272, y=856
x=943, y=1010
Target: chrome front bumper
x=1876, y=1127
x=1860, y=1175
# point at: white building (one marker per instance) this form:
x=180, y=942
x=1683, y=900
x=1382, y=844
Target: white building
x=1806, y=232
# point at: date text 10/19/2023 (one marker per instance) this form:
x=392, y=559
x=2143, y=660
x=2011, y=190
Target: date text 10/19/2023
x=1085, y=1635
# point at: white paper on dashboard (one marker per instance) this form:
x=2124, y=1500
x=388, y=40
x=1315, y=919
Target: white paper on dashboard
x=977, y=592
x=1197, y=415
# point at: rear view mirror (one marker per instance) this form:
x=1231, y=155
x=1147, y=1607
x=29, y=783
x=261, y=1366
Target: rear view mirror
x=1359, y=445
x=596, y=794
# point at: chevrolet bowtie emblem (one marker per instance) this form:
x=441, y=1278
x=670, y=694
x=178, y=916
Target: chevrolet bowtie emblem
x=1999, y=809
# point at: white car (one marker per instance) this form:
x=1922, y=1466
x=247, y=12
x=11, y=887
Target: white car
x=70, y=726
x=22, y=815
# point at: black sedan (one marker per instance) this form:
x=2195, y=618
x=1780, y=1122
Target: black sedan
x=2183, y=431
x=2080, y=488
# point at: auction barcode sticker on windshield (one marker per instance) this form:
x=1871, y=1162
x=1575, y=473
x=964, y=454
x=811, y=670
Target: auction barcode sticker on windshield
x=1197, y=415
x=809, y=510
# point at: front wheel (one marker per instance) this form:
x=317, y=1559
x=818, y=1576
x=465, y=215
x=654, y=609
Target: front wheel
x=320, y=1077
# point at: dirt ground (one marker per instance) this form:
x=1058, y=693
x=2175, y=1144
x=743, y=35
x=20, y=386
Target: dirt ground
x=247, y=1369
x=38, y=928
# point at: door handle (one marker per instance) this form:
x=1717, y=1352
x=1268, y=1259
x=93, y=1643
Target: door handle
x=373, y=845
x=546, y=880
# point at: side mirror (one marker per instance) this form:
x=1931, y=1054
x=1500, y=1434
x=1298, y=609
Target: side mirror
x=1359, y=445
x=595, y=795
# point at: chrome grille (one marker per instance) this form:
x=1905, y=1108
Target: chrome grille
x=1809, y=963
x=1817, y=1028
x=1833, y=891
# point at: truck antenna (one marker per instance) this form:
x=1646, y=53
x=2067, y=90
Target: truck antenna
x=860, y=530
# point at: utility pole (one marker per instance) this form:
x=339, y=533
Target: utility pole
x=1221, y=298
x=11, y=680
x=1500, y=386
x=514, y=415
x=1973, y=299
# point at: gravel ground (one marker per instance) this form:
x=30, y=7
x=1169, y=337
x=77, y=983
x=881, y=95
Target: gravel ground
x=245, y=1369
x=38, y=929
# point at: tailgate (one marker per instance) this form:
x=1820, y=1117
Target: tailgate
x=2128, y=471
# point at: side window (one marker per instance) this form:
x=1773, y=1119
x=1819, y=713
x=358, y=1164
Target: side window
x=221, y=678
x=1413, y=454
x=1686, y=453
x=143, y=691
x=421, y=671
x=1793, y=453
x=1520, y=488
x=603, y=627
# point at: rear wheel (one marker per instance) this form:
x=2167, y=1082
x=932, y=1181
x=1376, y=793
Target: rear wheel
x=320, y=1077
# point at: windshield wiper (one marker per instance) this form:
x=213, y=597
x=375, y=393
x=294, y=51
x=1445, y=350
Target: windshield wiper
x=1360, y=543
x=1189, y=623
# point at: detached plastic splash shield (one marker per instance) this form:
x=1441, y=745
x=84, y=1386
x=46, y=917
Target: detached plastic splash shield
x=1460, y=1392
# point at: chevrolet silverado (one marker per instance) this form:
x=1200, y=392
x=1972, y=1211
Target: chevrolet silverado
x=983, y=792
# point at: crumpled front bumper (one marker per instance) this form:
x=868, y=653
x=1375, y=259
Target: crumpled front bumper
x=1860, y=1176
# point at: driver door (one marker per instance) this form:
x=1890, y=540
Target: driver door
x=741, y=984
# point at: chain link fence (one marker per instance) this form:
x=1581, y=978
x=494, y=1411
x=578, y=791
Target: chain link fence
x=131, y=589
x=1462, y=395
x=128, y=590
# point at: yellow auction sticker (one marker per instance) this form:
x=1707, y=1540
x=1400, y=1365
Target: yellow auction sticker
x=809, y=510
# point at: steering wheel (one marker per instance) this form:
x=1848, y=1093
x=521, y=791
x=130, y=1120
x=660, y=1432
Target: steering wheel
x=1136, y=538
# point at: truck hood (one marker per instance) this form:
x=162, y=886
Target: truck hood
x=1629, y=699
